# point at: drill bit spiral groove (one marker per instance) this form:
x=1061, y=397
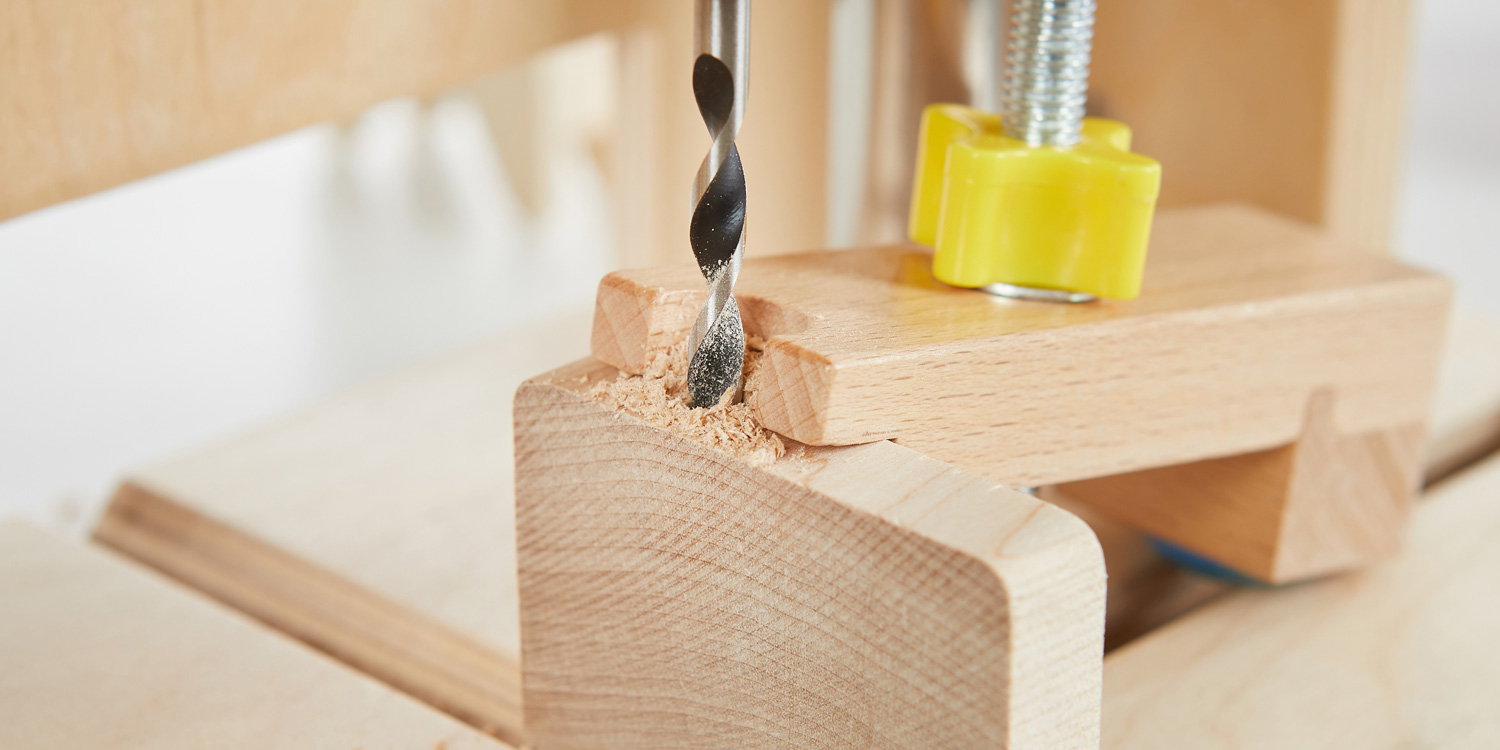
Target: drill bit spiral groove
x=717, y=232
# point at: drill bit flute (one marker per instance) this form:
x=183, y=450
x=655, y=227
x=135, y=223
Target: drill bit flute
x=717, y=233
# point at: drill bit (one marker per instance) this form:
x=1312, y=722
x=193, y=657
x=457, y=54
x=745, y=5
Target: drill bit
x=717, y=233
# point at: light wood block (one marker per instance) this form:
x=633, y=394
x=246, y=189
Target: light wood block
x=672, y=595
x=97, y=653
x=377, y=526
x=1253, y=334
x=1402, y=655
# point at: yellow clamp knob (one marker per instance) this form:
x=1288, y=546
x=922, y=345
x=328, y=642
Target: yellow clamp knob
x=996, y=210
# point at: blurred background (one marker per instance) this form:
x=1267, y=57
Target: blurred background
x=151, y=317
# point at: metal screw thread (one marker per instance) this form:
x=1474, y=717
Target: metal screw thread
x=1047, y=71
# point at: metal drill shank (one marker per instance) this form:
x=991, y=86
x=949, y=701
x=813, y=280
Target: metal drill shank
x=720, y=81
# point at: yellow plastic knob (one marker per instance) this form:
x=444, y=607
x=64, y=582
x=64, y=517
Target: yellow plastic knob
x=995, y=210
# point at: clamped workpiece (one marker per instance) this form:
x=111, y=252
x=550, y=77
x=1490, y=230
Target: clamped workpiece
x=1252, y=393
x=1261, y=404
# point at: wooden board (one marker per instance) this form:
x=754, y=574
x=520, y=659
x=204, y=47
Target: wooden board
x=95, y=652
x=673, y=595
x=99, y=93
x=377, y=526
x=1252, y=334
x=1403, y=655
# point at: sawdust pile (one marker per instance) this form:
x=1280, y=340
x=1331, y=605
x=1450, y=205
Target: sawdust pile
x=659, y=396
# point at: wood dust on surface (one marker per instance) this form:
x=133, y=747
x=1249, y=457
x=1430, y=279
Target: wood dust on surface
x=659, y=395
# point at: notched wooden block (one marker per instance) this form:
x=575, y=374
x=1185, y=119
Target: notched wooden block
x=869, y=596
x=1325, y=503
x=1246, y=323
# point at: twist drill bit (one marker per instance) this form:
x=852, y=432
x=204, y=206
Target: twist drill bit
x=717, y=232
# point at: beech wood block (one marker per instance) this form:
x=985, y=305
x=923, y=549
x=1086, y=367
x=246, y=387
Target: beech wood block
x=97, y=653
x=1253, y=333
x=672, y=595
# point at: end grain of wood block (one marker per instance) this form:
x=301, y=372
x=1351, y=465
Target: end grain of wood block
x=674, y=596
x=95, y=652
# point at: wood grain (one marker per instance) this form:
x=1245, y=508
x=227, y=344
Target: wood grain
x=98, y=93
x=95, y=652
x=673, y=596
x=1402, y=655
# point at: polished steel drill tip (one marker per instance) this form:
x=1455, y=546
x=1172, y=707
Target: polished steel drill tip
x=717, y=232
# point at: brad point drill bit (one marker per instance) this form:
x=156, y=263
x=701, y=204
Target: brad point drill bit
x=717, y=233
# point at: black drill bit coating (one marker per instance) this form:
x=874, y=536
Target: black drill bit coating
x=717, y=231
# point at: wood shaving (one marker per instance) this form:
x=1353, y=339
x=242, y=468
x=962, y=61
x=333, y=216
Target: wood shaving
x=659, y=396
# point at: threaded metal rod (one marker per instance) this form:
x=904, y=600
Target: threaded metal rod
x=1047, y=71
x=720, y=81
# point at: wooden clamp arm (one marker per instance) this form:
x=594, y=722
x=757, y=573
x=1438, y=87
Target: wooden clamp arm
x=1252, y=333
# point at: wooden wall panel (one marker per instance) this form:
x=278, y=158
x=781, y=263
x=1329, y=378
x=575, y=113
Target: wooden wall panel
x=97, y=93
